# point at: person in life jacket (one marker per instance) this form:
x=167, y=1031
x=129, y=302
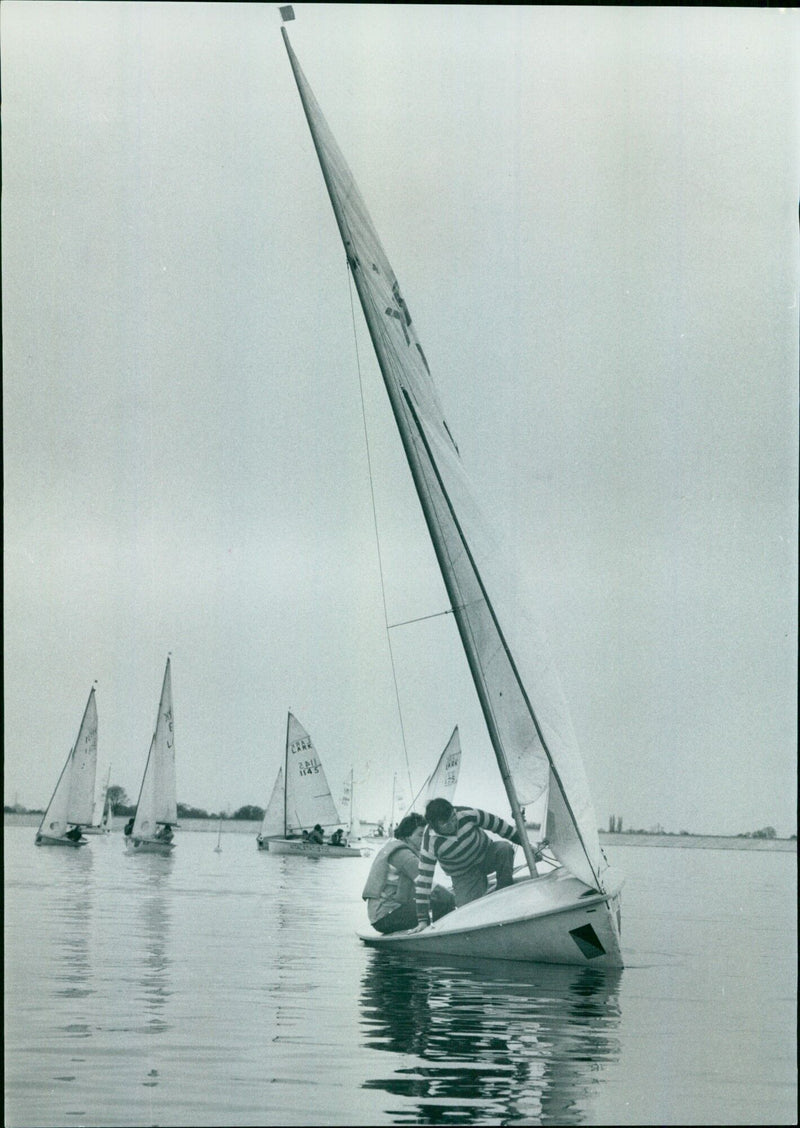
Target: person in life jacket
x=389, y=890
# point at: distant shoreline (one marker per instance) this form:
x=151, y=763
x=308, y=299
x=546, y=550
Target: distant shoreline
x=699, y=841
x=679, y=841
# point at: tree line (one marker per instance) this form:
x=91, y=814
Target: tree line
x=121, y=805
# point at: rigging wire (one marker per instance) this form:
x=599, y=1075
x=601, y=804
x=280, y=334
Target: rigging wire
x=377, y=534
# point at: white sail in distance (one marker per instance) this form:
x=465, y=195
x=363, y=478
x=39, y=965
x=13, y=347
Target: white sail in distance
x=72, y=802
x=441, y=784
x=308, y=795
x=272, y=825
x=157, y=803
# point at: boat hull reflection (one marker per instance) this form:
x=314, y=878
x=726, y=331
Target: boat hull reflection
x=484, y=1042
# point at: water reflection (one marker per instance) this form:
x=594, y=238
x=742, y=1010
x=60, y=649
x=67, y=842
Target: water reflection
x=155, y=967
x=511, y=1043
x=291, y=944
x=72, y=910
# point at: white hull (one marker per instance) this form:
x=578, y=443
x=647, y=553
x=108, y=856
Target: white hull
x=45, y=840
x=553, y=919
x=96, y=830
x=148, y=846
x=308, y=849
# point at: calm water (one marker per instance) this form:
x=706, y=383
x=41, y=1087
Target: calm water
x=230, y=988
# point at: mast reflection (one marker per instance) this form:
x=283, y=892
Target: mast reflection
x=492, y=1041
x=155, y=966
x=73, y=912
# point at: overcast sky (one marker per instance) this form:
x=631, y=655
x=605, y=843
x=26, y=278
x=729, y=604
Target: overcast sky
x=593, y=216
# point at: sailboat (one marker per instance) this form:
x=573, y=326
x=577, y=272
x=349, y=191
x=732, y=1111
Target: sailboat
x=349, y=811
x=157, y=808
x=570, y=914
x=72, y=804
x=301, y=800
x=440, y=784
x=102, y=808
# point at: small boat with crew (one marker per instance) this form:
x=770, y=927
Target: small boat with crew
x=301, y=807
x=71, y=806
x=150, y=830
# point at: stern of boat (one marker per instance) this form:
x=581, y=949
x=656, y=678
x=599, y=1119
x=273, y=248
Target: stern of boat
x=148, y=846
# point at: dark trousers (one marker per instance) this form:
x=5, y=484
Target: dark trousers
x=442, y=901
x=474, y=883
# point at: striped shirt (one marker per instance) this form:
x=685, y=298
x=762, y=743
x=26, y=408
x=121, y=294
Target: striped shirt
x=456, y=853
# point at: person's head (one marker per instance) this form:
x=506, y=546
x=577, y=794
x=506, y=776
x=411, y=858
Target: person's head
x=317, y=826
x=441, y=816
x=408, y=826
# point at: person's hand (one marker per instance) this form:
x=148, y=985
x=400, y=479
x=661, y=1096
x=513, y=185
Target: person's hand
x=420, y=927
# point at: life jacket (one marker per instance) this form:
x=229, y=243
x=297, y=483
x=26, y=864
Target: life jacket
x=382, y=873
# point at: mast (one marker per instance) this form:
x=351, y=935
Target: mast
x=286, y=774
x=512, y=724
x=419, y=482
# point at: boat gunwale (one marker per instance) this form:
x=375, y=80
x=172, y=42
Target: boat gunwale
x=432, y=933
x=314, y=849
x=51, y=840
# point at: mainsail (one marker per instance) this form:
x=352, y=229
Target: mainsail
x=524, y=710
x=308, y=796
x=157, y=803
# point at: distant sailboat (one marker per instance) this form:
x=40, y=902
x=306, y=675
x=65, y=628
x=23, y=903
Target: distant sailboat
x=101, y=824
x=442, y=782
x=348, y=809
x=157, y=808
x=72, y=804
x=399, y=805
x=301, y=800
x=571, y=914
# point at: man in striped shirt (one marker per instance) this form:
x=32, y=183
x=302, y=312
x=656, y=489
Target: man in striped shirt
x=456, y=838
